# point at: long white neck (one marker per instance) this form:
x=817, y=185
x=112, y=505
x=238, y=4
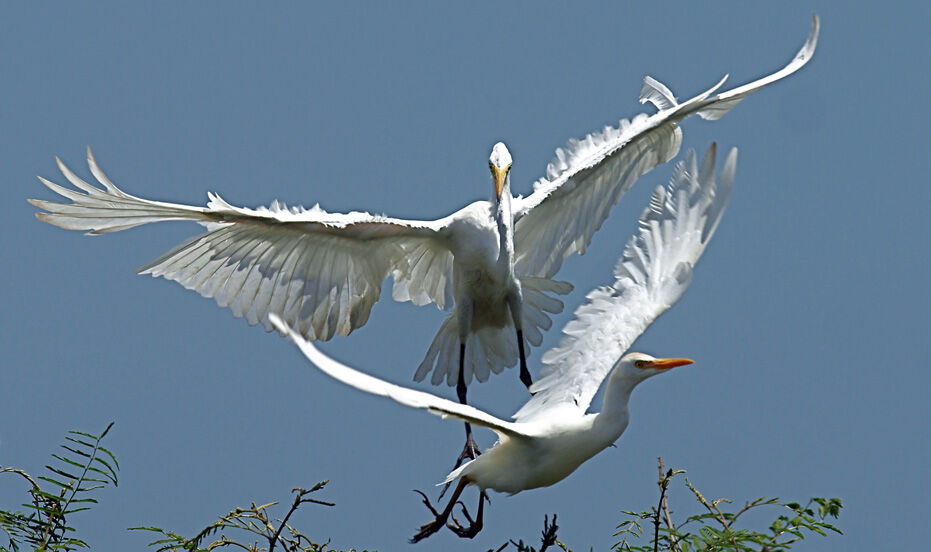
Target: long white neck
x=615, y=413
x=504, y=218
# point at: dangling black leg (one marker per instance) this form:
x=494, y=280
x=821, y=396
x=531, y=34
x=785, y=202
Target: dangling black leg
x=429, y=528
x=524, y=372
x=470, y=450
x=474, y=526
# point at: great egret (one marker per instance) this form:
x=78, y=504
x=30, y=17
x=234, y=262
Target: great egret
x=552, y=434
x=322, y=272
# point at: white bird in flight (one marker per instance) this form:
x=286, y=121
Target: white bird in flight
x=322, y=272
x=552, y=434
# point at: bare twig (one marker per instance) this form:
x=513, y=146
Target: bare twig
x=713, y=508
x=549, y=533
x=299, y=498
x=760, y=501
x=663, y=484
x=664, y=502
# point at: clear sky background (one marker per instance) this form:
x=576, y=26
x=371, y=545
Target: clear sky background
x=808, y=315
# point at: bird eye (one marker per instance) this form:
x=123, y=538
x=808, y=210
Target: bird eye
x=639, y=363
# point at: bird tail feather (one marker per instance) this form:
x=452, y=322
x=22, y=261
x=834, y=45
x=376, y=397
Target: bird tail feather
x=492, y=349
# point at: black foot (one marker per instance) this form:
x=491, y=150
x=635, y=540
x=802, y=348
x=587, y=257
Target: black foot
x=429, y=528
x=465, y=532
x=524, y=372
x=525, y=377
x=470, y=451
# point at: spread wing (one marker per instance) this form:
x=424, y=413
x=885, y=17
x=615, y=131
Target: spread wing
x=589, y=176
x=408, y=397
x=650, y=277
x=322, y=272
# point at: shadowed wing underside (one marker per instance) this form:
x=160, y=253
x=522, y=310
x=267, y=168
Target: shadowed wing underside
x=322, y=272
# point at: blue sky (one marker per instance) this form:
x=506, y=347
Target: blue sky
x=808, y=316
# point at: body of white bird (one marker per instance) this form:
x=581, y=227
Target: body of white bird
x=481, y=238
x=553, y=433
x=322, y=272
x=555, y=450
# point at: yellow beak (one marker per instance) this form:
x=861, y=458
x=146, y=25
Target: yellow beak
x=500, y=176
x=667, y=363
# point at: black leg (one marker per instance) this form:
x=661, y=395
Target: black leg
x=524, y=372
x=474, y=525
x=470, y=450
x=429, y=528
x=460, y=383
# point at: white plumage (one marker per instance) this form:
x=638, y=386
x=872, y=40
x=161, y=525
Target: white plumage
x=322, y=272
x=552, y=434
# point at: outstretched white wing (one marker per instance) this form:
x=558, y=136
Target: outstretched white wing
x=408, y=397
x=589, y=176
x=321, y=272
x=651, y=276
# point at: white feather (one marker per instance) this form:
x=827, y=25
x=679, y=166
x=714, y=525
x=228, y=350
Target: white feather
x=650, y=277
x=589, y=176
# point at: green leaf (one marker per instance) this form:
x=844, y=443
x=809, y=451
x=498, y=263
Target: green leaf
x=62, y=473
x=101, y=472
x=96, y=480
x=110, y=469
x=67, y=461
x=105, y=431
x=76, y=451
x=112, y=457
x=48, y=511
x=43, y=494
x=84, y=443
x=54, y=482
x=81, y=509
x=78, y=500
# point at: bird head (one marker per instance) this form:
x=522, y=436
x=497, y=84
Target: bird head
x=641, y=366
x=500, y=164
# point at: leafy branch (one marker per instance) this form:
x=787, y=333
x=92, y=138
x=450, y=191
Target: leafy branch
x=716, y=529
x=84, y=467
x=264, y=531
x=547, y=539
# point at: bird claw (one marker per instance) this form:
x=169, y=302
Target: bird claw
x=469, y=451
x=464, y=532
x=428, y=529
x=426, y=502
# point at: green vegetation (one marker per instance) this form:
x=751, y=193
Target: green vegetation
x=250, y=522
x=716, y=529
x=85, y=466
x=82, y=468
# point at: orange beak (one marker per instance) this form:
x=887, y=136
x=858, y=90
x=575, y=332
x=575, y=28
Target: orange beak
x=667, y=363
